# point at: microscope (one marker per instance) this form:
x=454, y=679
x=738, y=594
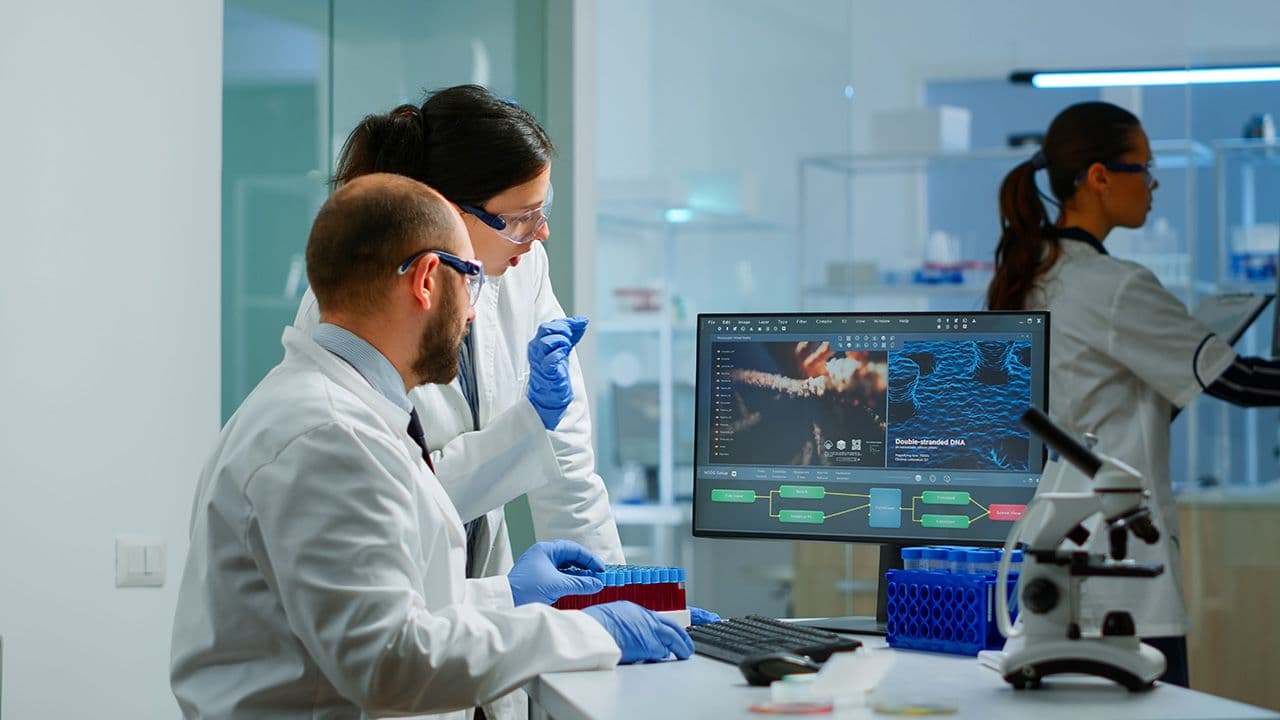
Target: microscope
x=1056, y=562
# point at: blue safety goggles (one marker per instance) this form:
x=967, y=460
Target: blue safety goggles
x=472, y=270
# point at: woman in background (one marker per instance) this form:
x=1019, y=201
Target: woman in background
x=1124, y=352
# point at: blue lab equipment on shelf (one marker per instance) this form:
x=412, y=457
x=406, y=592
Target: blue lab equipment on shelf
x=948, y=604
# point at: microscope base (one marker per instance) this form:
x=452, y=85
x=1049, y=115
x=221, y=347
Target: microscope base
x=1135, y=669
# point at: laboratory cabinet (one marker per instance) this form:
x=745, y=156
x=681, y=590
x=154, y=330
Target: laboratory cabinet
x=1247, y=209
x=1243, y=444
x=1231, y=579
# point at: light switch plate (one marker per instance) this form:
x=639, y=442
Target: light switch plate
x=140, y=561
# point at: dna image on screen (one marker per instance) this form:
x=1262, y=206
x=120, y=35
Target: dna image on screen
x=956, y=404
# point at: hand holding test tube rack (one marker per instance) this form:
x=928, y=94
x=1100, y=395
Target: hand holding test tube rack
x=660, y=589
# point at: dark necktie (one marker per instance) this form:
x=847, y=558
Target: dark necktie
x=419, y=437
x=473, y=535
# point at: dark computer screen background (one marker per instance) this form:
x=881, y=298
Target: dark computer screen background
x=895, y=428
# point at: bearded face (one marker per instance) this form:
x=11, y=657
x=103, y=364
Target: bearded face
x=442, y=339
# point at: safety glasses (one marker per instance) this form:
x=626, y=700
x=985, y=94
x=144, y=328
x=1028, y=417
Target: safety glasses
x=1147, y=177
x=472, y=270
x=518, y=228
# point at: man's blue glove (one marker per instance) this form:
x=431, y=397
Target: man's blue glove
x=640, y=634
x=550, y=388
x=698, y=616
x=536, y=576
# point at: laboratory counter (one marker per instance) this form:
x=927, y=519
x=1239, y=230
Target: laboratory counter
x=705, y=688
x=1231, y=579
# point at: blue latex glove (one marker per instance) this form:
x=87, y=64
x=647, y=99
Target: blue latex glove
x=550, y=388
x=536, y=576
x=640, y=634
x=698, y=616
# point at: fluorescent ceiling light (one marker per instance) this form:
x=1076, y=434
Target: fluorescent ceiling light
x=678, y=215
x=1153, y=76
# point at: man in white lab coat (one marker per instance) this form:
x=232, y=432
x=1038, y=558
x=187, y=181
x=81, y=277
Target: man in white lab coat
x=510, y=453
x=325, y=577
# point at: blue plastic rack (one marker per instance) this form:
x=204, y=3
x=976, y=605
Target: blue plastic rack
x=944, y=612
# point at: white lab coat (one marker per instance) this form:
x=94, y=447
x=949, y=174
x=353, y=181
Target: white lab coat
x=512, y=454
x=325, y=577
x=1121, y=353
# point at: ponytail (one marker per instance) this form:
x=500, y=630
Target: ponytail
x=1082, y=134
x=464, y=141
x=1024, y=232
x=394, y=142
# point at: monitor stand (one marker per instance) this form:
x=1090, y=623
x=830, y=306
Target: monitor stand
x=890, y=559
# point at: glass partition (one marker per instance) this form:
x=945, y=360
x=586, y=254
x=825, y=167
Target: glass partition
x=703, y=110
x=298, y=76
x=274, y=166
x=761, y=156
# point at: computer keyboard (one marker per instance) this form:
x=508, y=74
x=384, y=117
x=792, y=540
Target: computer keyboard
x=735, y=639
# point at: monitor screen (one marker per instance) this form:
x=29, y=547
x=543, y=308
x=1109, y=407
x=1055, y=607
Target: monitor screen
x=890, y=427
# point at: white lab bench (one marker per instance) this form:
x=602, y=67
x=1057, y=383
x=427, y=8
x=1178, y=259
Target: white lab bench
x=705, y=688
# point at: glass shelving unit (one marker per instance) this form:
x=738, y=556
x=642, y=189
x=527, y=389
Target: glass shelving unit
x=921, y=228
x=1247, y=232
x=657, y=267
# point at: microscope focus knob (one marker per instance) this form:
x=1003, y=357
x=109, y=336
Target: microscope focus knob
x=1040, y=596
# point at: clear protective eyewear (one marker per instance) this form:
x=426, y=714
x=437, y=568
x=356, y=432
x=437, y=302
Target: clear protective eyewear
x=472, y=270
x=1147, y=176
x=518, y=228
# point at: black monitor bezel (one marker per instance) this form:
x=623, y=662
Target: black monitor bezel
x=866, y=539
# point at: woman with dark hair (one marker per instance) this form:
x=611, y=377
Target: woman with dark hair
x=1124, y=352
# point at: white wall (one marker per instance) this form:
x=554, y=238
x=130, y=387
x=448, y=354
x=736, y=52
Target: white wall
x=110, y=115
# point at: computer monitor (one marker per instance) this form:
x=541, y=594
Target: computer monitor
x=890, y=428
